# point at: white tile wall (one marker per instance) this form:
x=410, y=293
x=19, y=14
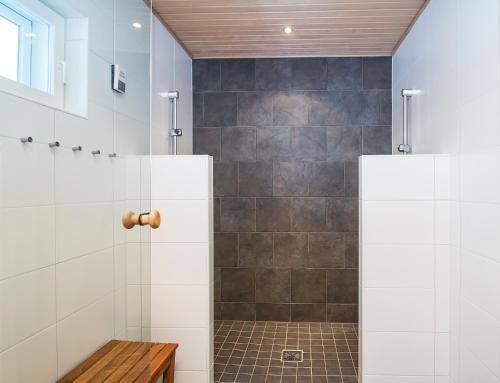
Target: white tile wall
x=405, y=263
x=40, y=350
x=181, y=262
x=69, y=281
x=171, y=71
x=27, y=306
x=459, y=41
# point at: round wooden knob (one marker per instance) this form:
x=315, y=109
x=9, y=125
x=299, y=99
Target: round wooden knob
x=130, y=219
x=154, y=219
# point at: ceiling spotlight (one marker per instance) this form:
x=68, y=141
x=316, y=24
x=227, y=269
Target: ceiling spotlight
x=137, y=25
x=288, y=30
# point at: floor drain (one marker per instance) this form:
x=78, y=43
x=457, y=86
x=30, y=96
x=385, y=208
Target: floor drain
x=291, y=356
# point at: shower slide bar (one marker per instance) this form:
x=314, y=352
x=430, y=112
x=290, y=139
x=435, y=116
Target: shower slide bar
x=405, y=147
x=173, y=96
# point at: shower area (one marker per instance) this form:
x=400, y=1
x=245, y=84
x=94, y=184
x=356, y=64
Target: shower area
x=285, y=136
x=280, y=203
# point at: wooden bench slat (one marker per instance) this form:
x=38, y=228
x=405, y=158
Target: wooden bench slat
x=102, y=362
x=87, y=363
x=157, y=365
x=132, y=362
x=118, y=361
x=143, y=363
x=126, y=362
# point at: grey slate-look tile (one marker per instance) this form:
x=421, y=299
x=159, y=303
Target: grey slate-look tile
x=274, y=144
x=342, y=313
x=308, y=286
x=363, y=106
x=272, y=285
x=309, y=144
x=290, y=249
x=238, y=285
x=237, y=311
x=327, y=132
x=326, y=250
x=216, y=214
x=255, y=179
x=377, y=140
x=273, y=214
x=351, y=179
x=273, y=74
x=197, y=110
x=206, y=75
x=311, y=312
x=344, y=73
x=273, y=312
x=351, y=250
x=237, y=214
x=255, y=108
x=208, y=141
x=225, y=249
x=308, y=214
x=290, y=179
x=219, y=109
x=238, y=144
x=343, y=143
x=225, y=179
x=385, y=100
x=326, y=179
x=342, y=286
x=342, y=214
x=290, y=108
x=309, y=74
x=255, y=249
x=238, y=75
x=328, y=109
x=377, y=72
x=217, y=286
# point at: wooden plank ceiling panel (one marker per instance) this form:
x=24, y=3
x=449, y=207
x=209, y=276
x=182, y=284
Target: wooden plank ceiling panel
x=255, y=28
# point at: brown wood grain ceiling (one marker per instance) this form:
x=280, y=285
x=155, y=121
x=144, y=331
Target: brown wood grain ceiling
x=254, y=28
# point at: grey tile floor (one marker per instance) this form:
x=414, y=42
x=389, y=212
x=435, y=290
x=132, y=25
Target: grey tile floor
x=251, y=352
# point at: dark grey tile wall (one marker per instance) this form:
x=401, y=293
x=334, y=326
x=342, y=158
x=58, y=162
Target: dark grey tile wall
x=285, y=135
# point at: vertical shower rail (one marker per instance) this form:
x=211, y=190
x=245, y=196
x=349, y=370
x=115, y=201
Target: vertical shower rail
x=405, y=147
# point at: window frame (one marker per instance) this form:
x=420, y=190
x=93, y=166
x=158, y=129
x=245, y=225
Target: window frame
x=56, y=37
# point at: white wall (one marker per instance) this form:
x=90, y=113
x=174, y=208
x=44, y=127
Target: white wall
x=182, y=263
x=404, y=258
x=453, y=55
x=171, y=71
x=63, y=253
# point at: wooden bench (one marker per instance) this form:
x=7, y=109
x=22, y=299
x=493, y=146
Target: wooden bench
x=126, y=362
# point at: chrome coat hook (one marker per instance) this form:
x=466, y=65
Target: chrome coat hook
x=54, y=144
x=76, y=148
x=112, y=155
x=26, y=140
x=96, y=152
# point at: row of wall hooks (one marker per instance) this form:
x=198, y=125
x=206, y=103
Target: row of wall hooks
x=56, y=144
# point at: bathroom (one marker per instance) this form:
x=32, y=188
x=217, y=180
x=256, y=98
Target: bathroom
x=213, y=191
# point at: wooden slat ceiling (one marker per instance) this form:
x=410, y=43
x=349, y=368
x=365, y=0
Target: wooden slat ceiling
x=254, y=28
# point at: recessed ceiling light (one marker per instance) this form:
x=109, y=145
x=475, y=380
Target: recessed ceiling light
x=137, y=25
x=288, y=30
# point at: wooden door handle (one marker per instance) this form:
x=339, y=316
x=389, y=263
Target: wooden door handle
x=130, y=219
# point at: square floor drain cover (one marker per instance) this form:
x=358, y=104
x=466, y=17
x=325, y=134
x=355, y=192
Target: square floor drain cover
x=291, y=356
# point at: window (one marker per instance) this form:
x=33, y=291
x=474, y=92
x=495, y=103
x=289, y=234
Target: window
x=32, y=46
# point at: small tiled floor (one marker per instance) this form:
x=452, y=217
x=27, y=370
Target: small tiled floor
x=251, y=352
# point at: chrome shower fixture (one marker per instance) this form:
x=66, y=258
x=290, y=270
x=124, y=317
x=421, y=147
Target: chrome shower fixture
x=405, y=147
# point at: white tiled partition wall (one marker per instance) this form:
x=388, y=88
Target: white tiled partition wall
x=182, y=263
x=63, y=252
x=405, y=231
x=452, y=54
